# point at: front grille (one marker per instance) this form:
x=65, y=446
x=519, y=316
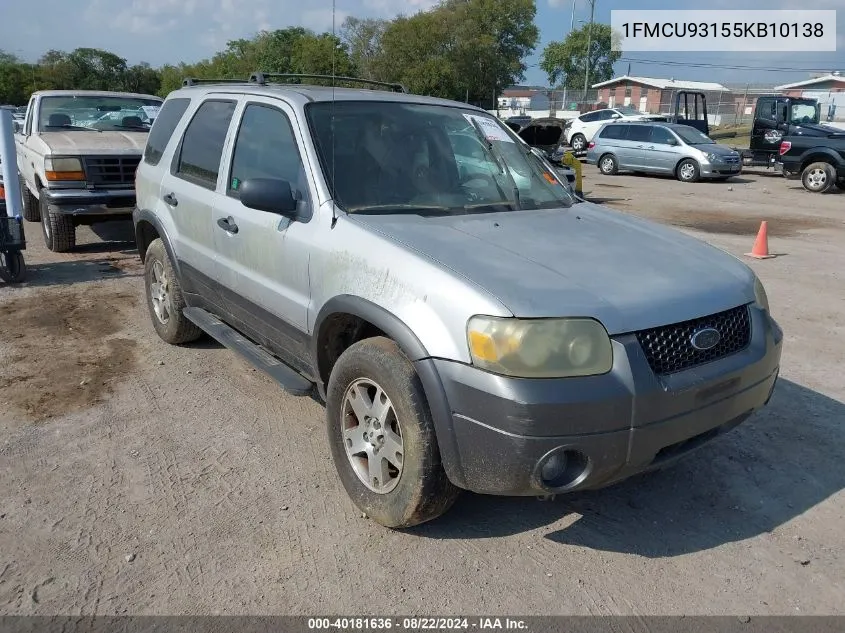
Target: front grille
x=669, y=349
x=111, y=171
x=731, y=159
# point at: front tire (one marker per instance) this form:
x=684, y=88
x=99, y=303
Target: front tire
x=578, y=142
x=382, y=437
x=164, y=297
x=12, y=267
x=818, y=177
x=688, y=171
x=31, y=212
x=58, y=229
x=608, y=165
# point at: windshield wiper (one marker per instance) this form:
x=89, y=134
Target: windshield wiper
x=72, y=127
x=501, y=163
x=376, y=209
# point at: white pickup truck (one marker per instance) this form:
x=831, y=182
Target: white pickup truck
x=77, y=153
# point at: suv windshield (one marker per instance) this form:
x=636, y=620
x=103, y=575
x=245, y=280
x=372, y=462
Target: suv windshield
x=99, y=113
x=803, y=113
x=394, y=157
x=691, y=136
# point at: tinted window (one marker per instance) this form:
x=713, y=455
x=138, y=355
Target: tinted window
x=166, y=121
x=640, y=133
x=266, y=148
x=661, y=135
x=766, y=109
x=605, y=115
x=202, y=145
x=615, y=131
x=590, y=116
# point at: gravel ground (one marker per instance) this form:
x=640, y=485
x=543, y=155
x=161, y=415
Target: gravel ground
x=147, y=479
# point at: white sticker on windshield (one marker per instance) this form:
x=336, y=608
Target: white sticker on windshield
x=492, y=130
x=151, y=111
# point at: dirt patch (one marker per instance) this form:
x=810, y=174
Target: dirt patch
x=60, y=354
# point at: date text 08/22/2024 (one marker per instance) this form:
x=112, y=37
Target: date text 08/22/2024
x=416, y=623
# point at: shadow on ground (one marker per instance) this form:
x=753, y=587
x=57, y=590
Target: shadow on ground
x=782, y=462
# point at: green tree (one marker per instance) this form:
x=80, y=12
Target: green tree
x=565, y=62
x=142, y=78
x=17, y=80
x=362, y=38
x=462, y=49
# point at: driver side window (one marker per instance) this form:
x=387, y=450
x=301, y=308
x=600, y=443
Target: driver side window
x=266, y=148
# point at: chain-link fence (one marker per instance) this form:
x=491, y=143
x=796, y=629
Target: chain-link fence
x=729, y=108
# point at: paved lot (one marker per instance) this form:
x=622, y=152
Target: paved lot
x=219, y=488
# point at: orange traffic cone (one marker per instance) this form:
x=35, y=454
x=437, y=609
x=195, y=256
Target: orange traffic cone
x=761, y=244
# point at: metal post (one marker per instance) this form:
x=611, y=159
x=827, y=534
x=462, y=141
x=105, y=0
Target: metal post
x=589, y=45
x=9, y=163
x=571, y=28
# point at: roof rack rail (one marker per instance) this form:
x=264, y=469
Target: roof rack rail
x=196, y=81
x=261, y=78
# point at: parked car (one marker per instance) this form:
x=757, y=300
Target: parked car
x=816, y=157
x=584, y=127
x=76, y=167
x=464, y=333
x=662, y=148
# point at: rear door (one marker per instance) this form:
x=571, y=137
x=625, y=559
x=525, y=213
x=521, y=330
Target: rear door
x=594, y=125
x=264, y=261
x=613, y=139
x=659, y=153
x=189, y=189
x=765, y=135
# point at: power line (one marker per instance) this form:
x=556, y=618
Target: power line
x=721, y=66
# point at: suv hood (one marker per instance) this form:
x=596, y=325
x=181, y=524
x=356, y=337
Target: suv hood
x=80, y=142
x=629, y=273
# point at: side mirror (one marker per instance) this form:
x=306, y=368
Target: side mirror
x=16, y=126
x=268, y=194
x=615, y=115
x=673, y=141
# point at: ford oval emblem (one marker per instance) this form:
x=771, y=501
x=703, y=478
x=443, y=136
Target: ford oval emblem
x=706, y=338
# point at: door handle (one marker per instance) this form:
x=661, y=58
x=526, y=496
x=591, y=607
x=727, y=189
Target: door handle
x=171, y=200
x=228, y=225
x=651, y=146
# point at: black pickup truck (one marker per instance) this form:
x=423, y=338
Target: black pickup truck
x=817, y=158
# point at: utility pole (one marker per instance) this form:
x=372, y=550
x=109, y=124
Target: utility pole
x=589, y=45
x=571, y=28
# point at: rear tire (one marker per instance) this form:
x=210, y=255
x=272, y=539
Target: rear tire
x=578, y=142
x=373, y=376
x=164, y=297
x=608, y=165
x=31, y=212
x=688, y=171
x=59, y=231
x=818, y=177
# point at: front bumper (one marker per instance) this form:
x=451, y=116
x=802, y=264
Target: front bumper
x=499, y=430
x=716, y=170
x=94, y=202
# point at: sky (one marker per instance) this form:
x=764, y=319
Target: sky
x=168, y=31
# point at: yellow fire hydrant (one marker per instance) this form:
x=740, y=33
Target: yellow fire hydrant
x=570, y=161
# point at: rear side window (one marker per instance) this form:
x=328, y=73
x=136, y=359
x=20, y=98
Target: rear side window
x=615, y=131
x=590, y=117
x=202, y=146
x=641, y=133
x=166, y=121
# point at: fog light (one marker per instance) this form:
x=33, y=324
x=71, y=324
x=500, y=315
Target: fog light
x=554, y=467
x=562, y=469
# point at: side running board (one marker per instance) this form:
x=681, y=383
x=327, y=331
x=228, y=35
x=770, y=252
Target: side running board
x=291, y=381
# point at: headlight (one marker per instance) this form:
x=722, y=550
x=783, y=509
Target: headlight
x=760, y=294
x=712, y=157
x=63, y=169
x=539, y=348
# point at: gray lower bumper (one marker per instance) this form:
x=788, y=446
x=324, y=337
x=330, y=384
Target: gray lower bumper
x=97, y=202
x=628, y=421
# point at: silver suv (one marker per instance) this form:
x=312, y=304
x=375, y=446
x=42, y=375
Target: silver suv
x=466, y=328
